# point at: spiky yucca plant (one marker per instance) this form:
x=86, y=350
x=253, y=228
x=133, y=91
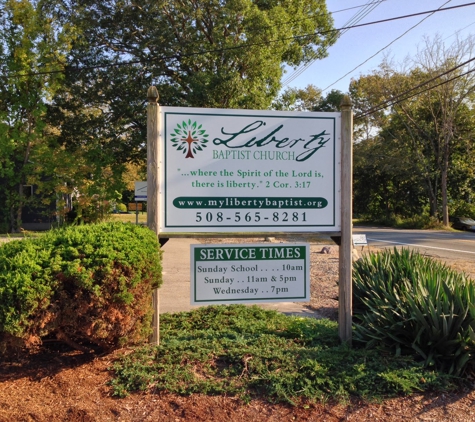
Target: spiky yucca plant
x=411, y=304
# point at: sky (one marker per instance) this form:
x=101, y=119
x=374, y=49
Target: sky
x=357, y=45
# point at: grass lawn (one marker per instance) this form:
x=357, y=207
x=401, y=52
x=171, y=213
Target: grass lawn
x=130, y=217
x=124, y=218
x=19, y=235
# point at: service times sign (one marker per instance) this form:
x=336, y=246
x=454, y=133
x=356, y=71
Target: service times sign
x=249, y=171
x=253, y=273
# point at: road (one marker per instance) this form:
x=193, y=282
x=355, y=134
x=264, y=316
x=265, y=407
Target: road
x=459, y=245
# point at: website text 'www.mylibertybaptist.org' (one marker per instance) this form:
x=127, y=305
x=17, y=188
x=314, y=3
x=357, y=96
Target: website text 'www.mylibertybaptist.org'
x=202, y=202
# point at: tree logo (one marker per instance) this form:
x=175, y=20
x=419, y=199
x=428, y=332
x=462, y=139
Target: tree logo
x=189, y=138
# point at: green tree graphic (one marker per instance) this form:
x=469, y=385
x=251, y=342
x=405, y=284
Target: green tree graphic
x=189, y=138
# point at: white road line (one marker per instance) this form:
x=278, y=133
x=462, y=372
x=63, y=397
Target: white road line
x=421, y=246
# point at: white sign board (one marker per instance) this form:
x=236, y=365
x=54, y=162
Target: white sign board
x=140, y=191
x=256, y=273
x=359, y=240
x=249, y=171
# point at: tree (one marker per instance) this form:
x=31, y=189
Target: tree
x=430, y=124
x=31, y=46
x=295, y=99
x=76, y=73
x=308, y=99
x=446, y=101
x=385, y=184
x=331, y=101
x=203, y=53
x=210, y=53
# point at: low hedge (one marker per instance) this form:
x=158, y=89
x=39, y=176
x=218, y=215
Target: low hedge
x=85, y=285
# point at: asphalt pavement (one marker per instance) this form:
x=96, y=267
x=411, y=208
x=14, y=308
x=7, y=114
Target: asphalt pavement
x=433, y=243
x=175, y=291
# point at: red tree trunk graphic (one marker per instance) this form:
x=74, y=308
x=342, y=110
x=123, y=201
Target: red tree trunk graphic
x=189, y=140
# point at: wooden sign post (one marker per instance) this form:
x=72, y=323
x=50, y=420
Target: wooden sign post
x=345, y=258
x=152, y=188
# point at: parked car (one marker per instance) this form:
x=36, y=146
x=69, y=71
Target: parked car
x=463, y=223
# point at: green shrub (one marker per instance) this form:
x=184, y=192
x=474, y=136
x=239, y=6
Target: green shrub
x=121, y=207
x=421, y=221
x=89, y=283
x=411, y=304
x=462, y=209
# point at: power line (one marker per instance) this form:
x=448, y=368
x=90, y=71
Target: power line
x=409, y=16
x=384, y=48
x=368, y=8
x=400, y=100
x=396, y=99
x=460, y=30
x=355, y=7
x=219, y=50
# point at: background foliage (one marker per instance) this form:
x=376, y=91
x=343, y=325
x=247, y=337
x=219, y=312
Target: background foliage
x=72, y=100
x=74, y=76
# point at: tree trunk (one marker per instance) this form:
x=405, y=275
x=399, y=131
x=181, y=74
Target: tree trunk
x=12, y=223
x=445, y=203
x=16, y=224
x=444, y=176
x=19, y=209
x=432, y=198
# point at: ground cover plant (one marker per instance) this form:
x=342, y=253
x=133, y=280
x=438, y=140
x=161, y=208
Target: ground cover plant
x=87, y=284
x=247, y=351
x=409, y=304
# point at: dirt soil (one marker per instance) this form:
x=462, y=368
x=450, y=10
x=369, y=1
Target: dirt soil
x=59, y=384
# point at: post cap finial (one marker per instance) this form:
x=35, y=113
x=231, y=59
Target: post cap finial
x=152, y=94
x=346, y=102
